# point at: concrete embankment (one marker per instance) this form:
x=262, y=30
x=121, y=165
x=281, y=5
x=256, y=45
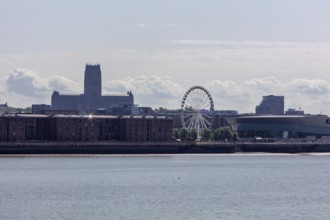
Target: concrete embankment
x=155, y=148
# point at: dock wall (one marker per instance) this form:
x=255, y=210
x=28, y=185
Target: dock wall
x=155, y=148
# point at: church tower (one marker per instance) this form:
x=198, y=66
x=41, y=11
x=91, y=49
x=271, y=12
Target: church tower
x=93, y=87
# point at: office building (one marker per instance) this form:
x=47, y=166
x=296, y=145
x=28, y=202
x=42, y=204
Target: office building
x=271, y=105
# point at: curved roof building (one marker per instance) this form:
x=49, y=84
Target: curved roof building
x=291, y=126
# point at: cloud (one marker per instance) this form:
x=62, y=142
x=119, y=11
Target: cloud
x=225, y=88
x=27, y=83
x=252, y=44
x=64, y=85
x=141, y=25
x=30, y=84
x=149, y=90
x=313, y=88
x=311, y=95
x=189, y=64
x=237, y=76
x=230, y=95
x=144, y=25
x=265, y=85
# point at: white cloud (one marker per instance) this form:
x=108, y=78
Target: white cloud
x=149, y=90
x=237, y=74
x=312, y=88
x=225, y=88
x=141, y=25
x=158, y=91
x=311, y=95
x=266, y=85
x=23, y=87
x=144, y=25
x=252, y=44
x=64, y=85
x=229, y=95
x=27, y=83
x=24, y=83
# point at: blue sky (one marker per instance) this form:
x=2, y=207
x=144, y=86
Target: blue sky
x=239, y=50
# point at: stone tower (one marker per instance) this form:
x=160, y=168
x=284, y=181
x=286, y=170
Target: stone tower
x=93, y=86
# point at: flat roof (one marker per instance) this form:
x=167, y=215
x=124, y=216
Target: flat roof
x=273, y=116
x=24, y=115
x=84, y=116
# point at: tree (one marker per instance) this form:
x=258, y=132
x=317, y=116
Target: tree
x=193, y=134
x=235, y=136
x=227, y=134
x=221, y=133
x=183, y=134
x=224, y=133
x=216, y=134
x=206, y=134
x=176, y=134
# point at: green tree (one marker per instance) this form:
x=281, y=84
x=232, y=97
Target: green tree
x=176, y=134
x=220, y=132
x=235, y=136
x=193, y=134
x=183, y=133
x=216, y=134
x=206, y=134
x=224, y=133
x=161, y=110
x=227, y=134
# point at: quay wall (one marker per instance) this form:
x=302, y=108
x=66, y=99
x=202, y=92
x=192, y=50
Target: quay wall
x=156, y=147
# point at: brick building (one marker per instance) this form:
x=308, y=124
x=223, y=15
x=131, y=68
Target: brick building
x=74, y=128
x=145, y=128
x=15, y=127
x=20, y=127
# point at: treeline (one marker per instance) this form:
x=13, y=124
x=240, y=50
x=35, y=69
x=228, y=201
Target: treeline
x=220, y=134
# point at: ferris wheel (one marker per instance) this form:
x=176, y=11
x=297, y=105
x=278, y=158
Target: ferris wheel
x=197, y=110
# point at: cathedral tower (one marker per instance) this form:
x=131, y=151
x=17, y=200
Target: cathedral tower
x=93, y=83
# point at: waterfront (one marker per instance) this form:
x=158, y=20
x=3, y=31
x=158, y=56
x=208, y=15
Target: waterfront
x=235, y=186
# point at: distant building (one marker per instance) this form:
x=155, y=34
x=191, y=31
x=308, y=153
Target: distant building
x=60, y=112
x=3, y=107
x=92, y=99
x=39, y=108
x=292, y=111
x=221, y=118
x=271, y=105
x=137, y=110
x=121, y=110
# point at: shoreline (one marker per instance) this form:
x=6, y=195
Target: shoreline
x=168, y=148
x=256, y=154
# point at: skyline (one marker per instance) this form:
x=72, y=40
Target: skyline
x=239, y=51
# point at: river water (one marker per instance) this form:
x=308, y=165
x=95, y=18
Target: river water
x=165, y=187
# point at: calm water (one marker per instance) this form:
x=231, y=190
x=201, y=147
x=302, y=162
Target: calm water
x=166, y=187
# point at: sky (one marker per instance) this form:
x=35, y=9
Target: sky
x=239, y=50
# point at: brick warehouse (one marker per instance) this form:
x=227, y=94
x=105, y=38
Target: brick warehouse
x=29, y=127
